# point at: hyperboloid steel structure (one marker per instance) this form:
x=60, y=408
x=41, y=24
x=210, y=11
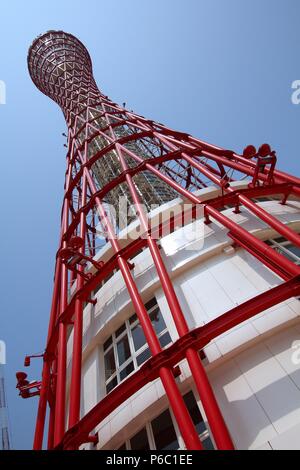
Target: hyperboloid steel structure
x=114, y=154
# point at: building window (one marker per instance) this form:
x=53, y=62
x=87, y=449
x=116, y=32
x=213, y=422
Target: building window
x=162, y=434
x=198, y=420
x=140, y=441
x=286, y=248
x=126, y=349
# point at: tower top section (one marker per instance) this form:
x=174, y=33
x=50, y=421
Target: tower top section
x=58, y=61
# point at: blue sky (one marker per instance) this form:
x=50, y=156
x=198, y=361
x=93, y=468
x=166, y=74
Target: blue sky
x=219, y=69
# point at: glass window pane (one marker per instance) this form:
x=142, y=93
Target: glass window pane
x=138, y=337
x=207, y=444
x=165, y=339
x=157, y=321
x=294, y=249
x=126, y=371
x=107, y=343
x=194, y=411
x=143, y=356
x=112, y=384
x=123, y=350
x=140, y=441
x=120, y=330
x=110, y=365
x=164, y=432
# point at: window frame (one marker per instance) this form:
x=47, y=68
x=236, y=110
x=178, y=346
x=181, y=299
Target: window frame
x=134, y=354
x=282, y=246
x=181, y=446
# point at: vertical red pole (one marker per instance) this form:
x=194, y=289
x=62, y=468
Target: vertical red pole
x=50, y=428
x=182, y=416
x=75, y=388
x=252, y=241
x=257, y=210
x=212, y=410
x=281, y=228
x=50, y=443
x=41, y=415
x=60, y=394
x=214, y=416
x=157, y=141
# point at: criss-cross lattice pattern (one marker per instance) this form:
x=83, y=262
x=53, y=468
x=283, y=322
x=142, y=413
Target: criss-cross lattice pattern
x=115, y=154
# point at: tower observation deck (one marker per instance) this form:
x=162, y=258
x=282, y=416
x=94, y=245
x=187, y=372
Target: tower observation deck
x=141, y=315
x=61, y=67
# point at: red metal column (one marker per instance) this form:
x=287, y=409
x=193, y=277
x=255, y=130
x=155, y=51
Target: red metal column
x=41, y=414
x=50, y=428
x=178, y=406
x=75, y=387
x=60, y=394
x=212, y=410
x=183, y=163
x=198, y=338
x=281, y=228
x=252, y=241
x=50, y=443
x=276, y=224
x=48, y=358
x=40, y=421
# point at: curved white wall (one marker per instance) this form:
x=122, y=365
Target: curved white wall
x=250, y=368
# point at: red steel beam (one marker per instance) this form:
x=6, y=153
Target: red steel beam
x=202, y=159
x=75, y=387
x=60, y=394
x=213, y=413
x=197, y=339
x=178, y=406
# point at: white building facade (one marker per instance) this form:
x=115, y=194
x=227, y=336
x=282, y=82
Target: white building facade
x=254, y=368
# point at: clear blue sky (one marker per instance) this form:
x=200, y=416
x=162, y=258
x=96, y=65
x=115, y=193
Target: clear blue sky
x=218, y=69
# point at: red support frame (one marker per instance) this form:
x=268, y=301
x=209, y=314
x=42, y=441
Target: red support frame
x=102, y=133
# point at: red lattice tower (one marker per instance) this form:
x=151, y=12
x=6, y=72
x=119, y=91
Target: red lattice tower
x=112, y=153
